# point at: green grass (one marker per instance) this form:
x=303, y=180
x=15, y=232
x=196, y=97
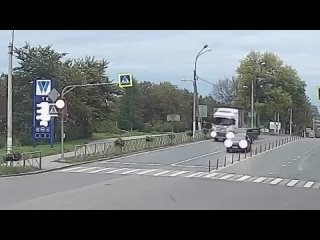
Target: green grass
x=15, y=170
x=69, y=145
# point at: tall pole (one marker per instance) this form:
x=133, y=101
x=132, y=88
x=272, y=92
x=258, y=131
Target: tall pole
x=252, y=103
x=194, y=104
x=291, y=112
x=9, y=108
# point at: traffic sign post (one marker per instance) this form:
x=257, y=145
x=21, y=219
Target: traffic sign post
x=43, y=125
x=125, y=80
x=318, y=93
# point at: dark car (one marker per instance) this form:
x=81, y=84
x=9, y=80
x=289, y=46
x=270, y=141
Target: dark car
x=240, y=143
x=252, y=133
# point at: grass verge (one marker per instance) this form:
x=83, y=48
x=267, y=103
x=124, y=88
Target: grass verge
x=4, y=170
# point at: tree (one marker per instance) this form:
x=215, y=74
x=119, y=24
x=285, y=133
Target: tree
x=85, y=105
x=277, y=87
x=130, y=112
x=225, y=91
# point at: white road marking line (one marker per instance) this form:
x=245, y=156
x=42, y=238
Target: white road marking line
x=278, y=169
x=131, y=171
x=292, y=183
x=227, y=176
x=210, y=175
x=129, y=163
x=70, y=169
x=283, y=165
x=298, y=156
x=308, y=184
x=177, y=173
x=100, y=170
x=117, y=170
x=147, y=171
x=294, y=159
x=270, y=172
x=161, y=173
x=194, y=158
x=260, y=179
x=194, y=174
x=289, y=162
x=243, y=178
x=85, y=169
x=276, y=181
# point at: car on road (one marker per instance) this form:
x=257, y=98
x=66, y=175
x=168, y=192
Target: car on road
x=239, y=143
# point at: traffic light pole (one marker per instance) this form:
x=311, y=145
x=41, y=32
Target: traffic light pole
x=64, y=92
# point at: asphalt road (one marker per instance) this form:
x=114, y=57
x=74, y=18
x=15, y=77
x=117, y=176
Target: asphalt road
x=296, y=160
x=107, y=191
x=193, y=156
x=178, y=178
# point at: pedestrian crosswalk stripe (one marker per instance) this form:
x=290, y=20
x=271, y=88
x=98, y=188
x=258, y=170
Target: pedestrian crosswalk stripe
x=242, y=178
x=101, y=170
x=177, y=173
x=188, y=174
x=308, y=184
x=161, y=173
x=292, y=183
x=131, y=171
x=276, y=181
x=148, y=171
x=260, y=179
x=210, y=175
x=226, y=176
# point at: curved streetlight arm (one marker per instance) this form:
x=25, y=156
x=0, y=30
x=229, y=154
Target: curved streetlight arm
x=69, y=88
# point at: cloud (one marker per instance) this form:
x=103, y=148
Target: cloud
x=156, y=55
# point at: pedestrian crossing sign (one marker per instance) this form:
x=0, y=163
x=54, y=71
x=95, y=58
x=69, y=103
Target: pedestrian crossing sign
x=125, y=80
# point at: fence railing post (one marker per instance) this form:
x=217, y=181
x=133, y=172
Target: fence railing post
x=225, y=160
x=40, y=160
x=209, y=165
x=217, y=164
x=232, y=158
x=239, y=157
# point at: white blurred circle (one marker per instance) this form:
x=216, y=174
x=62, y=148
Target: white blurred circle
x=60, y=104
x=213, y=134
x=243, y=144
x=230, y=135
x=227, y=143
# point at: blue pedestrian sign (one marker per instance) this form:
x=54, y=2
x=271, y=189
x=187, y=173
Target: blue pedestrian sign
x=43, y=123
x=125, y=80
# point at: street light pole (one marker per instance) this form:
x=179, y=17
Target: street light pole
x=64, y=92
x=291, y=112
x=9, y=108
x=195, y=92
x=252, y=103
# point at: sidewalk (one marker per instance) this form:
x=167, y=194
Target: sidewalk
x=51, y=162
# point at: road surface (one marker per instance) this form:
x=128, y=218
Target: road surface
x=177, y=178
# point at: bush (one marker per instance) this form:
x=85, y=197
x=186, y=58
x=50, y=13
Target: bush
x=106, y=126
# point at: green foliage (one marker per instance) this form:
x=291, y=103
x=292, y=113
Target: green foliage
x=277, y=87
x=106, y=126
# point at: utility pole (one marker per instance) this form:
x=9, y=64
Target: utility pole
x=291, y=112
x=9, y=108
x=252, y=125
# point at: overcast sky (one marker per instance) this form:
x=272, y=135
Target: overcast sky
x=157, y=56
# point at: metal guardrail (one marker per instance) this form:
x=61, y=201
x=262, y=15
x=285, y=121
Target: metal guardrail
x=109, y=148
x=28, y=159
x=232, y=158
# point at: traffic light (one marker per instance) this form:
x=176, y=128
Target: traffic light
x=44, y=116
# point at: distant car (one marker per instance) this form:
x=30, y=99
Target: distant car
x=239, y=143
x=252, y=133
